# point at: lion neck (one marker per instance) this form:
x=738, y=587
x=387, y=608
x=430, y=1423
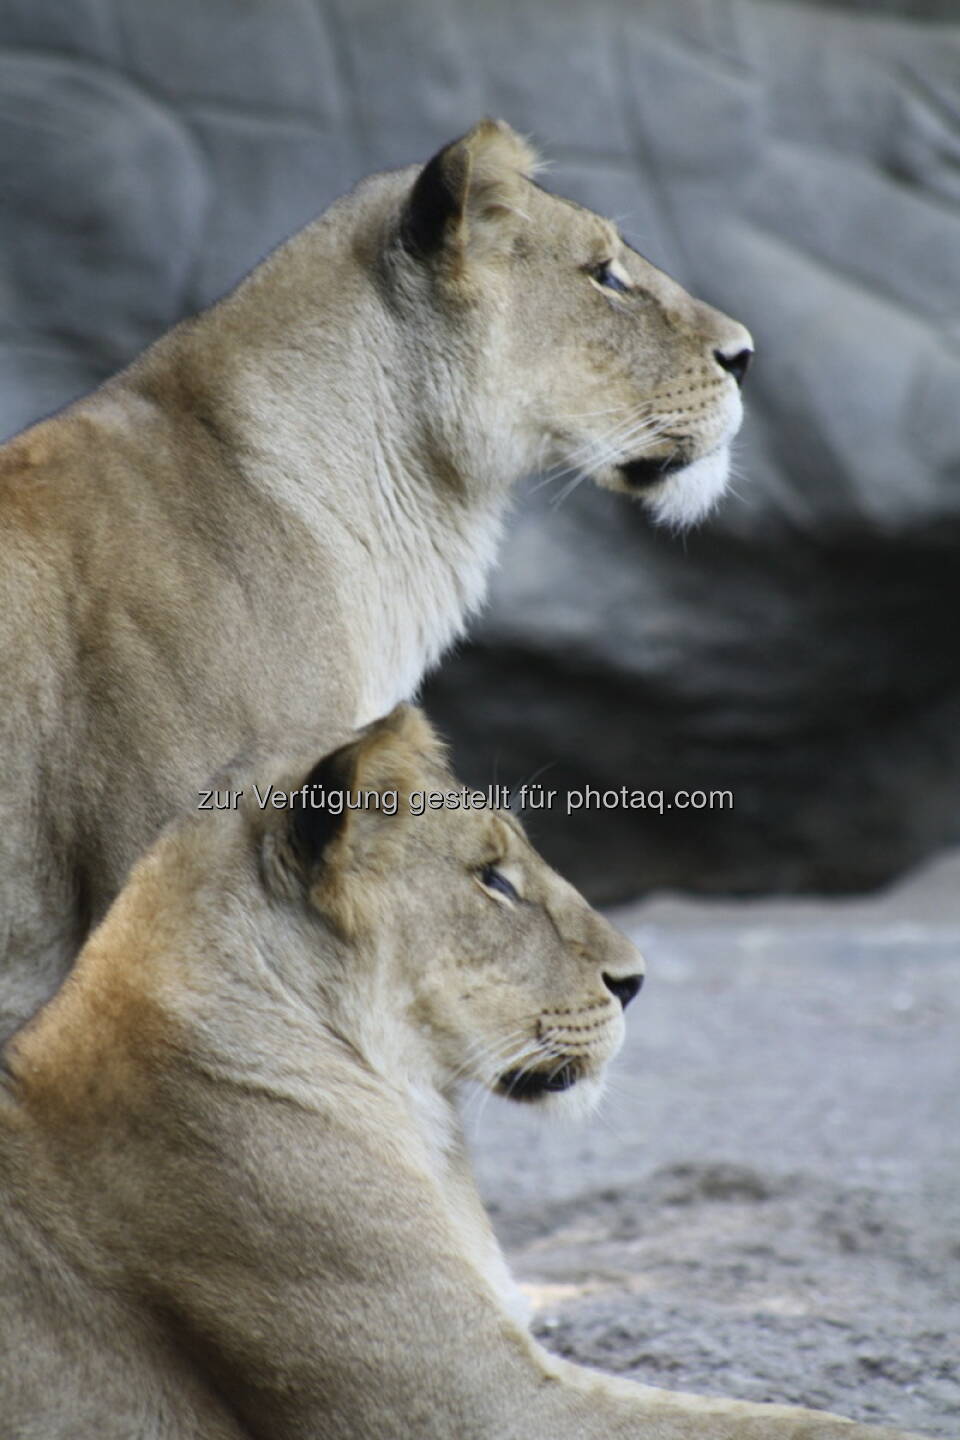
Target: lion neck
x=169, y=1066
x=126, y=1061
x=401, y=467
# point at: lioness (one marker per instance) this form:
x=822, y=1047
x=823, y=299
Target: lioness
x=282, y=512
x=234, y=1198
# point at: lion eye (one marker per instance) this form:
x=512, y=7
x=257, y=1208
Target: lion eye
x=604, y=275
x=493, y=879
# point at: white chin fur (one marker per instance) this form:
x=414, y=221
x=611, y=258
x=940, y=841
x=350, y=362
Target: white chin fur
x=577, y=1103
x=691, y=494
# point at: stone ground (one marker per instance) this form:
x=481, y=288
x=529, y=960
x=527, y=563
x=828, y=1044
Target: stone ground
x=767, y=1204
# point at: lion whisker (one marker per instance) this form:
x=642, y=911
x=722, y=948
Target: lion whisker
x=508, y=1062
x=480, y=1053
x=609, y=448
x=487, y=1060
x=634, y=425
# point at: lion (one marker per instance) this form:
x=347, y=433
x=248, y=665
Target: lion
x=235, y=1199
x=283, y=513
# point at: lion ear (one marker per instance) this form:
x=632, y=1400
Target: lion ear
x=469, y=186
x=386, y=755
x=314, y=824
x=350, y=832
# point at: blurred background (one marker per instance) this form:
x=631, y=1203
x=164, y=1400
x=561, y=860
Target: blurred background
x=768, y=1204
x=797, y=165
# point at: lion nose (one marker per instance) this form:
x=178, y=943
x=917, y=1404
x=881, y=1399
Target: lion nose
x=625, y=987
x=735, y=362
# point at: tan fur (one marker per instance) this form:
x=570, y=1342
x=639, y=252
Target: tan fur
x=234, y=1194
x=282, y=513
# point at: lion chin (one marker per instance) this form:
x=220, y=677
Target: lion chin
x=687, y=496
x=676, y=493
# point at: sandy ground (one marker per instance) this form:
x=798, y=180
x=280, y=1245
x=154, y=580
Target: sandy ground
x=767, y=1204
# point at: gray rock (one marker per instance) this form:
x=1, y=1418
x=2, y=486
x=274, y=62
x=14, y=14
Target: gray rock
x=95, y=263
x=816, y=682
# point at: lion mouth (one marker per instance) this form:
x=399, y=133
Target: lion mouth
x=532, y=1084
x=641, y=473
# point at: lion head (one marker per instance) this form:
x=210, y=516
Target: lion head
x=425, y=932
x=545, y=340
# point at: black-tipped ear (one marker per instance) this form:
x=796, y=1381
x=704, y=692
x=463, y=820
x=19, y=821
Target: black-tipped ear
x=318, y=818
x=437, y=201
